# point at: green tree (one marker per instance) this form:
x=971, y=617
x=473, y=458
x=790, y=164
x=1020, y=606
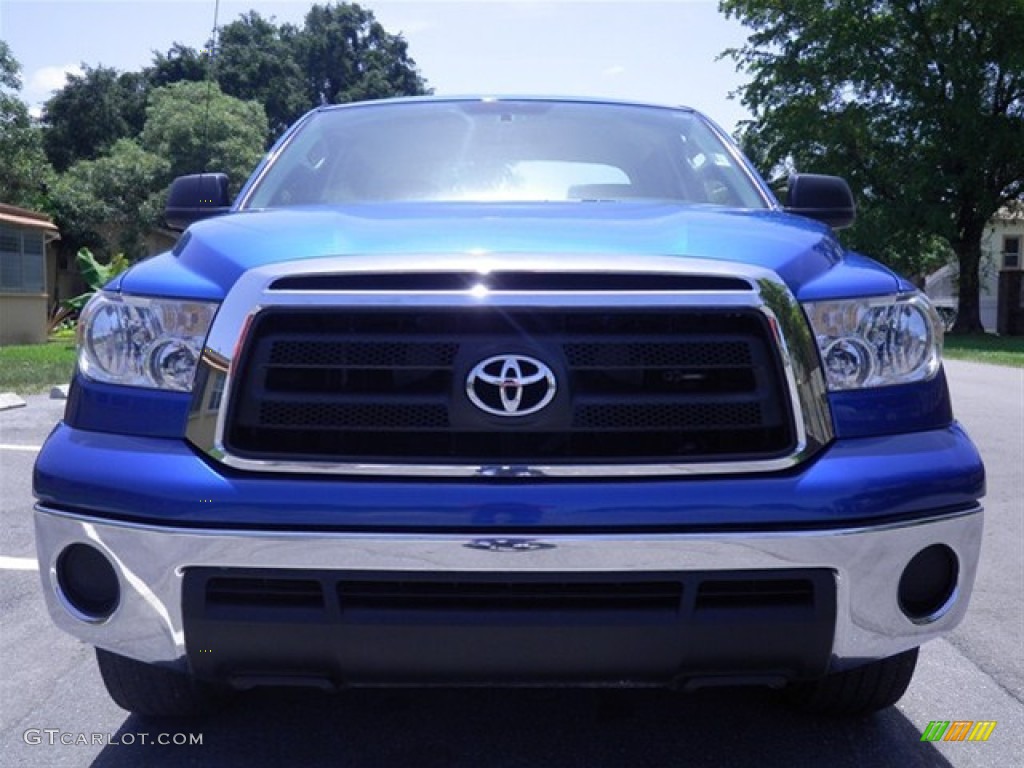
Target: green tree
x=198, y=128
x=259, y=61
x=26, y=172
x=180, y=64
x=340, y=54
x=91, y=112
x=10, y=70
x=110, y=203
x=919, y=104
x=346, y=55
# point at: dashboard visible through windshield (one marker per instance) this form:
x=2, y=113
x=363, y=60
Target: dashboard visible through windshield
x=503, y=151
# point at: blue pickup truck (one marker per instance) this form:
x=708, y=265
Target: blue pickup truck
x=509, y=392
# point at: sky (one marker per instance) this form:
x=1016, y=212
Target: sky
x=663, y=52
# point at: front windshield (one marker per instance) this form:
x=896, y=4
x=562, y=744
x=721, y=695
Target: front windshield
x=482, y=151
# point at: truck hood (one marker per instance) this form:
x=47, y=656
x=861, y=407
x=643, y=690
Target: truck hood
x=214, y=253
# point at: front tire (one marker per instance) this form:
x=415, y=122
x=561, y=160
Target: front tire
x=151, y=691
x=858, y=691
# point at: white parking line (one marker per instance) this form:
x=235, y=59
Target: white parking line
x=26, y=448
x=18, y=564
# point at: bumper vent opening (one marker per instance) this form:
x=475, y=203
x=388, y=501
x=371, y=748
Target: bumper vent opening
x=509, y=596
x=507, y=628
x=265, y=593
x=761, y=593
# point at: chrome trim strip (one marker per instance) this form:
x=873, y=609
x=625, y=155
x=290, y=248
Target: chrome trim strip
x=769, y=294
x=150, y=562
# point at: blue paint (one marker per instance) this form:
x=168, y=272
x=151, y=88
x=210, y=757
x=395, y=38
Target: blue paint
x=804, y=253
x=852, y=482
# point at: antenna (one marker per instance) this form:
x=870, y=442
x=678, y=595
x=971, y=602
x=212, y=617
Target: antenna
x=211, y=71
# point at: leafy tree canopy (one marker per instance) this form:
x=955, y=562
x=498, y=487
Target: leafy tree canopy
x=112, y=201
x=198, y=128
x=257, y=61
x=118, y=138
x=919, y=103
x=348, y=56
x=340, y=54
x=10, y=71
x=91, y=112
x=180, y=63
x=25, y=171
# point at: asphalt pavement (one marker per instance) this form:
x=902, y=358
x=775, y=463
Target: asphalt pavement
x=55, y=712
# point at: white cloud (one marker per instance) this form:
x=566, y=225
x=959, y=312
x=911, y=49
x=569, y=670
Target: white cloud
x=614, y=71
x=45, y=80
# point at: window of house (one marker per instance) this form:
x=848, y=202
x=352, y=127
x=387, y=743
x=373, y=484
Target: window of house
x=22, y=261
x=1011, y=252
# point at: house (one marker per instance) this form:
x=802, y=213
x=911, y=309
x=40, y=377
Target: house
x=27, y=274
x=1002, y=248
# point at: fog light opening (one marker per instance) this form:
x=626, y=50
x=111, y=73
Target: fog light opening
x=928, y=585
x=87, y=583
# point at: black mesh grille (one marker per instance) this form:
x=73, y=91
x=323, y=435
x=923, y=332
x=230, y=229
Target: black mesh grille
x=387, y=386
x=658, y=355
x=315, y=354
x=366, y=415
x=670, y=416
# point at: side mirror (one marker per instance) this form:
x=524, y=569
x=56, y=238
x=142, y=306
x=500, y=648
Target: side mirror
x=823, y=198
x=196, y=197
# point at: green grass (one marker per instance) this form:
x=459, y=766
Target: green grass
x=30, y=368
x=986, y=348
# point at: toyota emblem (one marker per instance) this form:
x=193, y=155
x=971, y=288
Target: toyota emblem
x=510, y=385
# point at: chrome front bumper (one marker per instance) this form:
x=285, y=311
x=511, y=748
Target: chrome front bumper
x=150, y=562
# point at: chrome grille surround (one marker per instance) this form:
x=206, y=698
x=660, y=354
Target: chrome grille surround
x=255, y=292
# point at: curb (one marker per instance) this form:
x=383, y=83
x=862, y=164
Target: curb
x=10, y=400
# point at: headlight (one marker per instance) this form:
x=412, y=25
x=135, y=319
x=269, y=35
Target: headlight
x=878, y=341
x=143, y=342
